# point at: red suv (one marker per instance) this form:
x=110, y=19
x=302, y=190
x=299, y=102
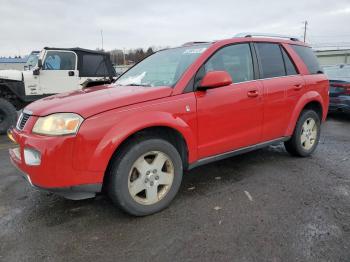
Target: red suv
x=177, y=109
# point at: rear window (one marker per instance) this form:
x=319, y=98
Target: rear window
x=94, y=65
x=271, y=60
x=309, y=58
x=290, y=68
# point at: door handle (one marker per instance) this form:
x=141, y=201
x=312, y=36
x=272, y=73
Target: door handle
x=70, y=73
x=298, y=87
x=253, y=93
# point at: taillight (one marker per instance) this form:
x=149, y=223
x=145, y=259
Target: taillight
x=344, y=87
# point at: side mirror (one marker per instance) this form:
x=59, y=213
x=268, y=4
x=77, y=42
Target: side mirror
x=36, y=70
x=215, y=79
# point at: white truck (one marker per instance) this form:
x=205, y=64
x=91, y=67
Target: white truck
x=52, y=71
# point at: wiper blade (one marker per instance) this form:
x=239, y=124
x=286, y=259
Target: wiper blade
x=137, y=85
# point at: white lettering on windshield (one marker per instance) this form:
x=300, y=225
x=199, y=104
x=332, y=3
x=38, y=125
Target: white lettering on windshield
x=195, y=50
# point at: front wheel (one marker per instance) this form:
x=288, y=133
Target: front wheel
x=306, y=134
x=145, y=176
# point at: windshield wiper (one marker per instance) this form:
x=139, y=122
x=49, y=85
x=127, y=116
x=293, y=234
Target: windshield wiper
x=135, y=85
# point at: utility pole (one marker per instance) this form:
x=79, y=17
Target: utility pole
x=102, y=38
x=305, y=28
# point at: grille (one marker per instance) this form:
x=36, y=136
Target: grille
x=23, y=118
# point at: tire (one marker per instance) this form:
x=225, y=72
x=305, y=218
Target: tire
x=306, y=135
x=129, y=172
x=8, y=115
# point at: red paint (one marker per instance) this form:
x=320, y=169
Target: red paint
x=216, y=79
x=211, y=122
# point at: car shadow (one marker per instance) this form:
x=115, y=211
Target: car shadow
x=339, y=116
x=55, y=210
x=232, y=170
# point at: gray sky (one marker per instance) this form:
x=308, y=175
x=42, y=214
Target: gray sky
x=32, y=24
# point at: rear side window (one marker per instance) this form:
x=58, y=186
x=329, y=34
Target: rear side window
x=309, y=58
x=94, y=65
x=290, y=68
x=235, y=60
x=271, y=60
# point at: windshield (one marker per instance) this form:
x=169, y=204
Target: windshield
x=163, y=68
x=32, y=60
x=341, y=72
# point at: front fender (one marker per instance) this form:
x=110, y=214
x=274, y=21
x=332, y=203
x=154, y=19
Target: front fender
x=11, y=75
x=98, y=138
x=311, y=96
x=13, y=87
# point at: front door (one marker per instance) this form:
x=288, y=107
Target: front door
x=230, y=117
x=59, y=72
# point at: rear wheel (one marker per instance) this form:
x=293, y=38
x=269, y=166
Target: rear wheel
x=306, y=134
x=145, y=176
x=8, y=115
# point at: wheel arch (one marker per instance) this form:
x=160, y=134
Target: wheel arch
x=311, y=100
x=167, y=133
x=157, y=124
x=12, y=91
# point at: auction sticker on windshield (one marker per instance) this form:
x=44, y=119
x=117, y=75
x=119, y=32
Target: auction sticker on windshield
x=195, y=50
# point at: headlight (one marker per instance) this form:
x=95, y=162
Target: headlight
x=58, y=124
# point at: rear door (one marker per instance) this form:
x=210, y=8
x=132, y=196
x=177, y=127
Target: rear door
x=59, y=72
x=282, y=87
x=230, y=117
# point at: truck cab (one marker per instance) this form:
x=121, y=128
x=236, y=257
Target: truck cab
x=52, y=71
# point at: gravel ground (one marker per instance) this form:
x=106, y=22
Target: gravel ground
x=261, y=206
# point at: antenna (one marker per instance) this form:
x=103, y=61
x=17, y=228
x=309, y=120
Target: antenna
x=102, y=38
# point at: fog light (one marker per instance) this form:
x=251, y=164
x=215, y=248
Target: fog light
x=16, y=152
x=32, y=157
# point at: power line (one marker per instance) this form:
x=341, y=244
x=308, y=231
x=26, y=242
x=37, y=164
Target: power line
x=102, y=38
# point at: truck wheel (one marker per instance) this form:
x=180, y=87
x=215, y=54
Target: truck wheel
x=306, y=135
x=8, y=115
x=145, y=176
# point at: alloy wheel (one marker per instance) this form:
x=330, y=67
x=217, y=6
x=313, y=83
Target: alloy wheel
x=308, y=134
x=151, y=177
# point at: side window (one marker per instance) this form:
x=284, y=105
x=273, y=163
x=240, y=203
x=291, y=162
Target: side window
x=290, y=68
x=271, y=60
x=94, y=65
x=56, y=60
x=309, y=58
x=234, y=59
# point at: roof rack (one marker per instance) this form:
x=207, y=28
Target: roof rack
x=195, y=43
x=293, y=38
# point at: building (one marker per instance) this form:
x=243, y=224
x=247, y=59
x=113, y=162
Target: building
x=12, y=63
x=333, y=57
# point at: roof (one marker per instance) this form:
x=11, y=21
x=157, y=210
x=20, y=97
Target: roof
x=249, y=38
x=76, y=49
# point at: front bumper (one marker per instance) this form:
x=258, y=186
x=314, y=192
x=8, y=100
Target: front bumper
x=55, y=173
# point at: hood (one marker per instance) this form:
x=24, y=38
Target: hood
x=11, y=75
x=94, y=100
